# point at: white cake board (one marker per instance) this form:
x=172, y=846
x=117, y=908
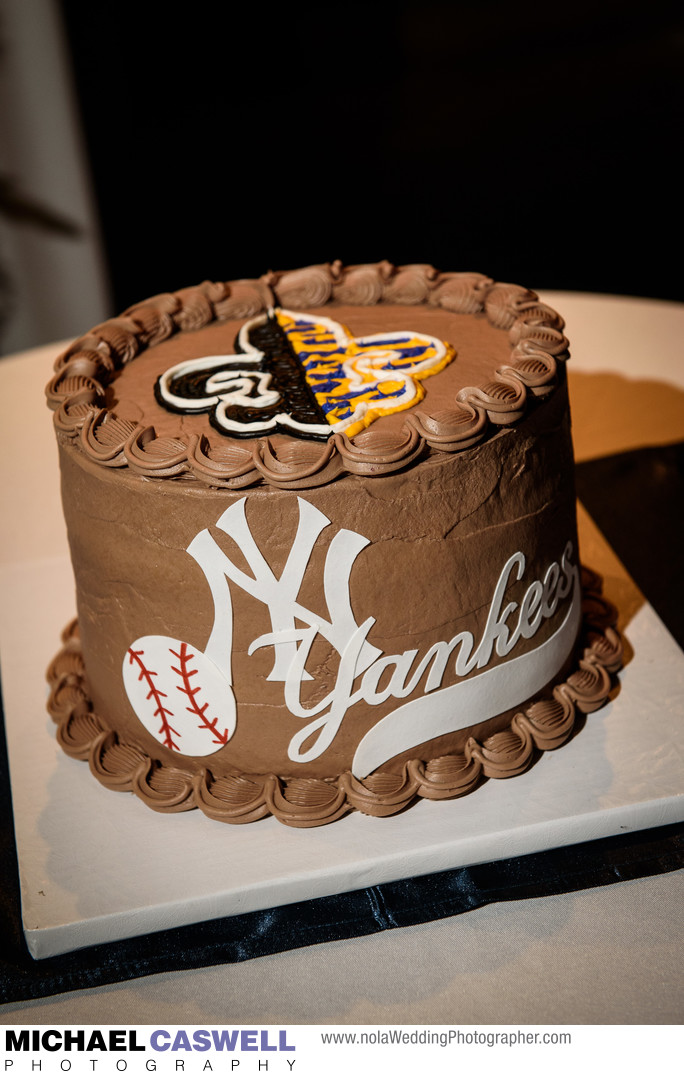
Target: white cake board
x=98, y=866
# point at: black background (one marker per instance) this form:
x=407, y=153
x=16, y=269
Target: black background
x=535, y=143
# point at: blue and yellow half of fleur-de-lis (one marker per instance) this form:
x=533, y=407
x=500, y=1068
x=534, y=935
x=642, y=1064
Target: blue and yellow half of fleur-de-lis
x=356, y=379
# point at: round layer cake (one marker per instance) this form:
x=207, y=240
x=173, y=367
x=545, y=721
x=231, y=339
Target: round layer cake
x=323, y=531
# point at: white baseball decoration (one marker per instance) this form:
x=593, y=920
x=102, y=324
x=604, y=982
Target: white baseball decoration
x=183, y=699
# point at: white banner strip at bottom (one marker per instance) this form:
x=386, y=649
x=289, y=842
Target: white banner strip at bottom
x=303, y=1050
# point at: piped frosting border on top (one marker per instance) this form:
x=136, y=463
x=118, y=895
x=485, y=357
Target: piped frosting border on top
x=82, y=372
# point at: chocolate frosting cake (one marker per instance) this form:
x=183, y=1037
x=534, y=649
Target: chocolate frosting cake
x=323, y=533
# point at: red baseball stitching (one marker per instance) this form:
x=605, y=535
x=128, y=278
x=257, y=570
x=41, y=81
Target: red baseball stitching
x=199, y=711
x=166, y=729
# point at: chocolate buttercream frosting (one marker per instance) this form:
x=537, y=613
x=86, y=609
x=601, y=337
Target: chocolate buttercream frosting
x=323, y=532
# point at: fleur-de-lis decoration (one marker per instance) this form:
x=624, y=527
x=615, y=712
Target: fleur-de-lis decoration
x=304, y=375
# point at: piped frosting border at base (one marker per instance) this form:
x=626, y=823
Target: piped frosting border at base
x=543, y=724
x=82, y=373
